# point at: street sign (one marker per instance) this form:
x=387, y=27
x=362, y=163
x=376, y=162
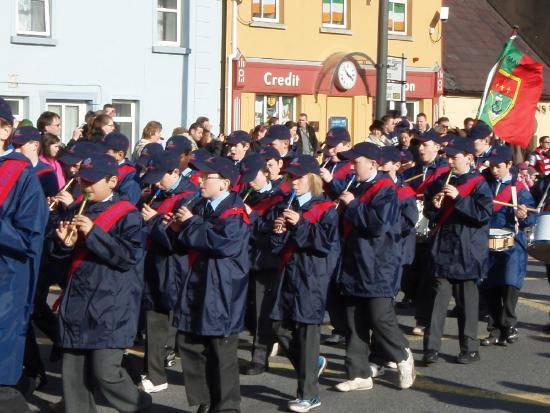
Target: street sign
x=397, y=70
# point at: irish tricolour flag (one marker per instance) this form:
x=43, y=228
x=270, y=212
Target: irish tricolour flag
x=333, y=12
x=513, y=89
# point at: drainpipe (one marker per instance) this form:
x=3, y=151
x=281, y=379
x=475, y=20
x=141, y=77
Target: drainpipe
x=230, y=58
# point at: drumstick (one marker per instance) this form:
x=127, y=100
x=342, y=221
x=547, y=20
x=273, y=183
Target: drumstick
x=512, y=205
x=80, y=211
x=412, y=178
x=337, y=204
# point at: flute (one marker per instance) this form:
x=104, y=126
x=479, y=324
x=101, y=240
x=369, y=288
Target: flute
x=247, y=193
x=337, y=204
x=439, y=200
x=155, y=195
x=279, y=228
x=80, y=211
x=325, y=163
x=186, y=204
x=412, y=178
x=54, y=203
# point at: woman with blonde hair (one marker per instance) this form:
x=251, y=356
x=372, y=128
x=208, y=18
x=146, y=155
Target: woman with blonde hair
x=151, y=134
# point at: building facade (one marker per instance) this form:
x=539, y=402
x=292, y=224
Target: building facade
x=318, y=57
x=153, y=59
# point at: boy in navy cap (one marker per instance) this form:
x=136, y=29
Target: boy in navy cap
x=209, y=313
x=507, y=268
x=162, y=263
x=274, y=166
x=238, y=145
x=116, y=145
x=278, y=137
x=23, y=217
x=370, y=265
x=182, y=146
x=336, y=172
x=480, y=133
x=306, y=237
x=101, y=249
x=461, y=210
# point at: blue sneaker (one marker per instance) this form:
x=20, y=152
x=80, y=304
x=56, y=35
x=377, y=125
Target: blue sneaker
x=298, y=405
x=321, y=365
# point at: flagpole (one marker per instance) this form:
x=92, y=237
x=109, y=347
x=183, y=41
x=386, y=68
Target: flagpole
x=493, y=70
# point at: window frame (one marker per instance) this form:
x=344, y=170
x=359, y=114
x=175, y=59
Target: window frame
x=279, y=105
x=82, y=109
x=406, y=31
x=332, y=25
x=133, y=119
x=21, y=101
x=178, y=12
x=47, y=22
x=277, y=18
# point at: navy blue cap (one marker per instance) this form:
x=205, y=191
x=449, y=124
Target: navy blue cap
x=276, y=132
x=222, y=166
x=479, y=131
x=268, y=152
x=302, y=165
x=179, y=144
x=403, y=126
x=238, y=136
x=501, y=153
x=430, y=135
x=198, y=157
x=337, y=135
x=406, y=155
x=159, y=164
x=116, y=141
x=5, y=111
x=79, y=151
x=366, y=149
x=458, y=145
x=25, y=134
x=147, y=153
x=250, y=166
x=389, y=154
x=97, y=167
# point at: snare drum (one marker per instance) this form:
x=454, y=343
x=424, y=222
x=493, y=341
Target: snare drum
x=500, y=239
x=539, y=239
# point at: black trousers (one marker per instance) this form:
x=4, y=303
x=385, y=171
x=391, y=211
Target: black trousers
x=466, y=295
x=501, y=303
x=211, y=371
x=261, y=298
x=156, y=325
x=86, y=371
x=416, y=282
x=377, y=315
x=301, y=343
x=336, y=308
x=32, y=361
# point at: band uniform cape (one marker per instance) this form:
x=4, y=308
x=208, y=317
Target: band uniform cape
x=212, y=298
x=460, y=249
x=372, y=245
x=509, y=267
x=128, y=182
x=101, y=303
x=23, y=216
x=309, y=253
x=165, y=260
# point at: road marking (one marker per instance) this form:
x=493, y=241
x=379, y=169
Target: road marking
x=533, y=303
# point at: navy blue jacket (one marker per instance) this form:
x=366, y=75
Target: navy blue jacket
x=100, y=308
x=163, y=266
x=341, y=174
x=460, y=249
x=23, y=216
x=509, y=267
x=304, y=281
x=409, y=218
x=212, y=297
x=372, y=245
x=47, y=177
x=437, y=166
x=128, y=187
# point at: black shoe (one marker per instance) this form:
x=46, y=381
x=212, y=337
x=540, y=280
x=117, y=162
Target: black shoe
x=203, y=408
x=56, y=354
x=430, y=357
x=254, y=369
x=453, y=313
x=467, y=357
x=492, y=340
x=511, y=335
x=334, y=340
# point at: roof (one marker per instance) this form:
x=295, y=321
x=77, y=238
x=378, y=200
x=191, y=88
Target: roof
x=473, y=37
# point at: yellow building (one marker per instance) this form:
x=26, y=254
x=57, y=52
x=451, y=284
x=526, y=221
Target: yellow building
x=285, y=57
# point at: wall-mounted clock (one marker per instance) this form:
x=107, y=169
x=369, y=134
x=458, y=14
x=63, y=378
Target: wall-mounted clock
x=346, y=75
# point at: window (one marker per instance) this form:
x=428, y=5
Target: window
x=412, y=107
x=334, y=13
x=17, y=107
x=265, y=10
x=169, y=22
x=33, y=17
x=71, y=113
x=397, y=19
x=267, y=106
x=125, y=117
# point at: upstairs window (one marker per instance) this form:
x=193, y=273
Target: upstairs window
x=265, y=10
x=33, y=17
x=169, y=22
x=334, y=13
x=397, y=18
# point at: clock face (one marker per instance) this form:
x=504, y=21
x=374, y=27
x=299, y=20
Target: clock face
x=346, y=75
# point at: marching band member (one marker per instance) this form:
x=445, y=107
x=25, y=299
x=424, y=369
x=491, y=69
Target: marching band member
x=278, y=137
x=370, y=263
x=306, y=238
x=275, y=166
x=540, y=157
x=101, y=248
x=507, y=268
x=481, y=135
x=23, y=217
x=461, y=204
x=335, y=173
x=238, y=145
x=209, y=313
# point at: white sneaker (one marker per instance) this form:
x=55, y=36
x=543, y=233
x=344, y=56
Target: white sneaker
x=390, y=364
x=274, y=350
x=357, y=383
x=376, y=370
x=148, y=386
x=418, y=330
x=407, y=373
